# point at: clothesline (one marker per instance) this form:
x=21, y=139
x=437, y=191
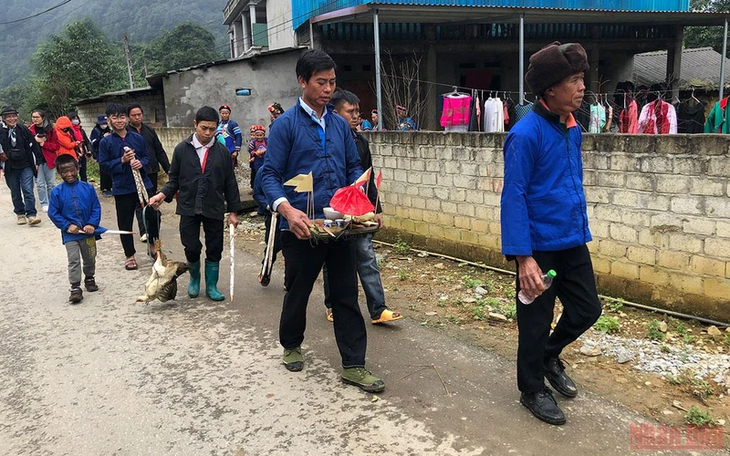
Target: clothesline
x=515, y=92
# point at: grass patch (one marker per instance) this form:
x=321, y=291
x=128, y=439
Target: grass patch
x=469, y=282
x=607, y=325
x=653, y=332
x=678, y=327
x=401, y=246
x=92, y=170
x=698, y=417
x=691, y=384
x=615, y=306
x=402, y=274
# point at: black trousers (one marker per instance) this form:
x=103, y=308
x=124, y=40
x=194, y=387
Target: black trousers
x=575, y=285
x=303, y=263
x=105, y=181
x=253, y=177
x=82, y=168
x=151, y=192
x=126, y=206
x=190, y=237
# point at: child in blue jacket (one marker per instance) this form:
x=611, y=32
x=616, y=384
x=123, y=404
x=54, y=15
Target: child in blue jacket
x=74, y=208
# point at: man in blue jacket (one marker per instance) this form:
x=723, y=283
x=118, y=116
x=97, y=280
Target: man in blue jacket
x=119, y=154
x=545, y=226
x=310, y=137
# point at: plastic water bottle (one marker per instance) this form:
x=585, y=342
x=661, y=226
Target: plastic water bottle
x=547, y=280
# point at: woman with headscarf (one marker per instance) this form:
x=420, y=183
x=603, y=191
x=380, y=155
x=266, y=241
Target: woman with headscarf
x=42, y=129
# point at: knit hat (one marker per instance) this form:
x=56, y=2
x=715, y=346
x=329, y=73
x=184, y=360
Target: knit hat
x=553, y=63
x=224, y=106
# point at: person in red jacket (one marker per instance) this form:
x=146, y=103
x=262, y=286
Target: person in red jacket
x=45, y=136
x=66, y=139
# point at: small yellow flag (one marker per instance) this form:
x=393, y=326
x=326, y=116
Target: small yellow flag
x=306, y=184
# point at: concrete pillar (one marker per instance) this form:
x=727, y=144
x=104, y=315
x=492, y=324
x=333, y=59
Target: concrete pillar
x=246, y=45
x=432, y=103
x=674, y=62
x=238, y=37
x=232, y=41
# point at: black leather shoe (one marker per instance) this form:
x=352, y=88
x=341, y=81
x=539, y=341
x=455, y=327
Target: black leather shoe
x=554, y=371
x=543, y=406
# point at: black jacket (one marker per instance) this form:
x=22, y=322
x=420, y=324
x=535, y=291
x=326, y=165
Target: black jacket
x=97, y=134
x=203, y=194
x=366, y=160
x=158, y=156
x=26, y=153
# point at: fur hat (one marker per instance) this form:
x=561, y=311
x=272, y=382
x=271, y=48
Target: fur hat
x=553, y=63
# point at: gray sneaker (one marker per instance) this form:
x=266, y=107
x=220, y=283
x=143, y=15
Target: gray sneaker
x=22, y=220
x=32, y=221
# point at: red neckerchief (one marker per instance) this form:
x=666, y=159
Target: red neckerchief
x=205, y=160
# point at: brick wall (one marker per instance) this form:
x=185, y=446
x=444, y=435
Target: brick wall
x=658, y=208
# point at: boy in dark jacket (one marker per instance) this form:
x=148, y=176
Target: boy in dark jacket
x=119, y=154
x=202, y=172
x=74, y=208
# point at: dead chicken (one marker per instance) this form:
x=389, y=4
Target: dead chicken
x=162, y=284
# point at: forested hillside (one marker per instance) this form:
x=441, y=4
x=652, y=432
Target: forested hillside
x=141, y=20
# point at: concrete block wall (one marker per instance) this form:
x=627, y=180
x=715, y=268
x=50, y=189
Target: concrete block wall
x=658, y=207
x=152, y=102
x=171, y=137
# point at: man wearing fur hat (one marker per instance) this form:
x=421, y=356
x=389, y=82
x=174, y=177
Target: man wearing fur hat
x=545, y=226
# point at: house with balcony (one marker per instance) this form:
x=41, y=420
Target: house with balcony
x=257, y=26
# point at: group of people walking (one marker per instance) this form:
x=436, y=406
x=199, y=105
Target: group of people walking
x=544, y=218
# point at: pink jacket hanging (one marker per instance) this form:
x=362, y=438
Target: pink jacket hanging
x=456, y=111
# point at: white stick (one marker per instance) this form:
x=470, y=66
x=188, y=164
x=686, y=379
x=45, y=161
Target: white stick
x=117, y=232
x=271, y=243
x=231, y=233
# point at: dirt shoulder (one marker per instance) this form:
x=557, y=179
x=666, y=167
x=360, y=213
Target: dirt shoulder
x=660, y=367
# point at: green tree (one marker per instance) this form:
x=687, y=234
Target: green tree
x=187, y=44
x=695, y=37
x=76, y=64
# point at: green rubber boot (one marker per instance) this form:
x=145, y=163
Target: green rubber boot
x=194, y=285
x=211, y=281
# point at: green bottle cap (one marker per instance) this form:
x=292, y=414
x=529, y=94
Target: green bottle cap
x=551, y=274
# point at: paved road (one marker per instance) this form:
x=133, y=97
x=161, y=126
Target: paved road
x=195, y=377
